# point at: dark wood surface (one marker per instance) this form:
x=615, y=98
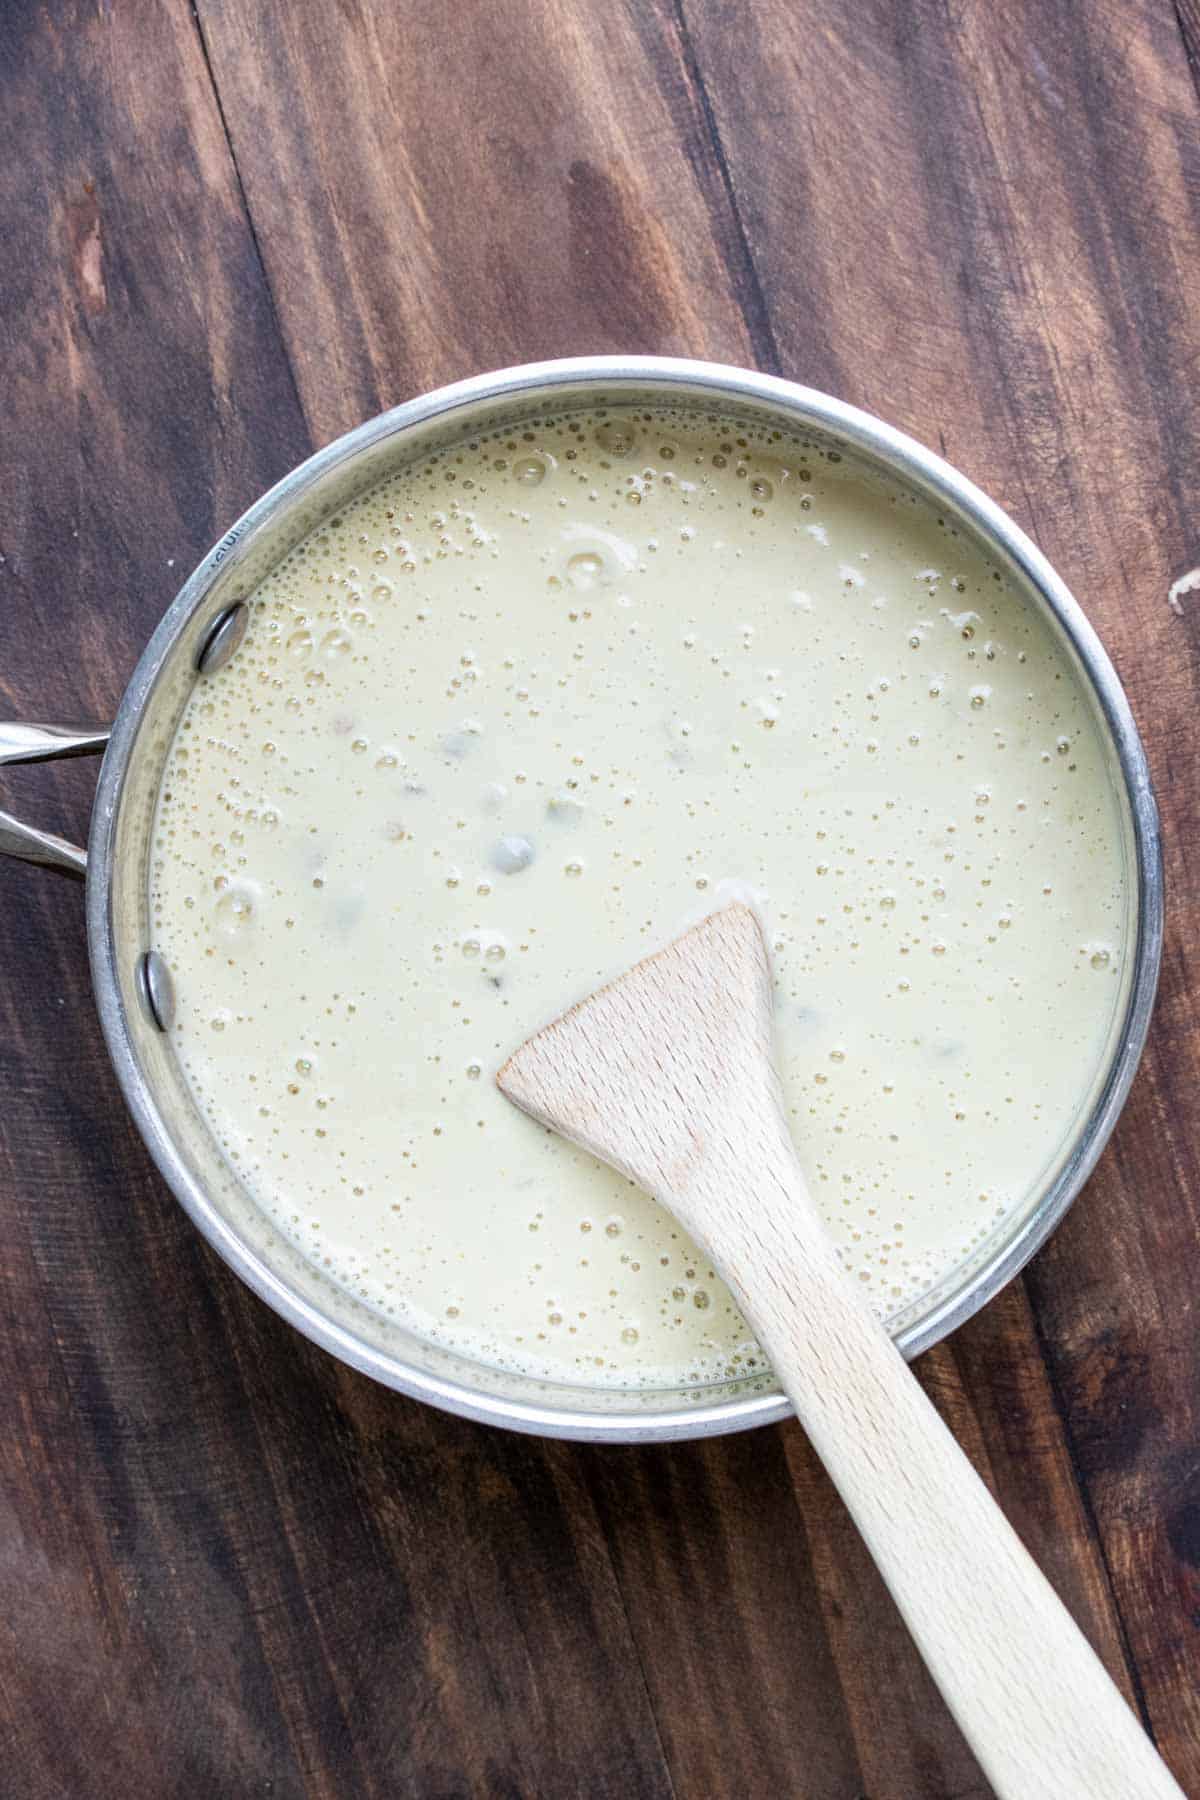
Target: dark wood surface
x=228, y=1565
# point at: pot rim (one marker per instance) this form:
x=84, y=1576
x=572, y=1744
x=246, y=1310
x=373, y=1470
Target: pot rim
x=809, y=408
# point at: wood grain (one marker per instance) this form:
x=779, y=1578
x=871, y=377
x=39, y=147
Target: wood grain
x=228, y=1565
x=533, y=182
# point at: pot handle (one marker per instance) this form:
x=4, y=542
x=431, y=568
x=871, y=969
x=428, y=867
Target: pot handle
x=43, y=743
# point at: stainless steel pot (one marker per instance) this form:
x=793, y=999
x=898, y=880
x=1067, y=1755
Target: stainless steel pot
x=133, y=990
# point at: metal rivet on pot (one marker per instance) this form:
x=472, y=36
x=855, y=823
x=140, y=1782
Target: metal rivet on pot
x=156, y=990
x=222, y=639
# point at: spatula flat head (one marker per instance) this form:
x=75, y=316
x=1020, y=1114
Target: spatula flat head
x=649, y=1070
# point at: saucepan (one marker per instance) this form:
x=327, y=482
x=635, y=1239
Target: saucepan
x=201, y=629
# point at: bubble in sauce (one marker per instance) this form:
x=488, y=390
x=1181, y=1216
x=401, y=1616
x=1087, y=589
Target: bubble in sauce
x=564, y=808
x=617, y=437
x=585, y=570
x=532, y=470
x=512, y=854
x=237, y=907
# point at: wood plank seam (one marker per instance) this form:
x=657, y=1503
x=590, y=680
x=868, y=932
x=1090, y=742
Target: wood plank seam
x=634, y=1645
x=1093, y=1525
x=251, y=227
x=1187, y=18
x=748, y=288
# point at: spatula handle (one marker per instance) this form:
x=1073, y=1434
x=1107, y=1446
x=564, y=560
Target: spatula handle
x=1030, y=1695
x=667, y=1074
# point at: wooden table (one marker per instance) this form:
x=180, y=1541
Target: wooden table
x=229, y=1566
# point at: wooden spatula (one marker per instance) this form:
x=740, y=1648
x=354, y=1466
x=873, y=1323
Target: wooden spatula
x=668, y=1075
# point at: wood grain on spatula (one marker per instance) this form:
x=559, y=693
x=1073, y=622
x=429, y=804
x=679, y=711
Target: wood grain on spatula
x=667, y=1074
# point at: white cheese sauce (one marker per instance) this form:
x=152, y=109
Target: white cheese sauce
x=516, y=718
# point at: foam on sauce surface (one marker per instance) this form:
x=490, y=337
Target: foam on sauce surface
x=510, y=722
